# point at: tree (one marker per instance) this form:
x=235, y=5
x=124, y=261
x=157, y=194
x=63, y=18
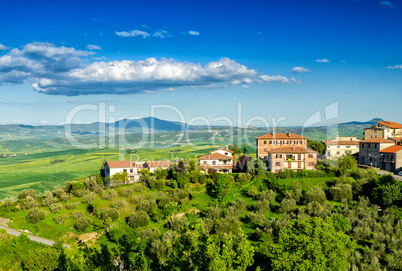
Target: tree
x=317, y=146
x=257, y=167
x=316, y=194
x=347, y=163
x=34, y=215
x=242, y=162
x=312, y=244
x=245, y=148
x=234, y=148
x=218, y=186
x=138, y=219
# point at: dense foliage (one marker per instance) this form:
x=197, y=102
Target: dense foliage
x=337, y=218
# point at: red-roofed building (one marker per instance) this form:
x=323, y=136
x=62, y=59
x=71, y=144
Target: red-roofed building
x=285, y=150
x=341, y=146
x=369, y=150
x=130, y=167
x=220, y=160
x=271, y=141
x=294, y=158
x=391, y=158
x=383, y=129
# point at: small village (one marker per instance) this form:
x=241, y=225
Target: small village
x=381, y=149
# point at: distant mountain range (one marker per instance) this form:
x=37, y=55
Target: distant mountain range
x=20, y=131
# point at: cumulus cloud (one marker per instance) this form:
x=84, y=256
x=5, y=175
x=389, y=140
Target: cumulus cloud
x=3, y=47
x=161, y=34
x=323, y=60
x=395, y=67
x=300, y=69
x=193, y=33
x=64, y=71
x=386, y=4
x=93, y=47
x=133, y=33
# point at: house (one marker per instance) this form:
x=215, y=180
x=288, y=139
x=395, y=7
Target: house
x=154, y=165
x=369, y=150
x=341, y=146
x=220, y=160
x=294, y=158
x=383, y=129
x=397, y=140
x=130, y=167
x=391, y=158
x=271, y=141
x=285, y=150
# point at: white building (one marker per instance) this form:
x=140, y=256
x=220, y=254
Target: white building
x=341, y=146
x=220, y=160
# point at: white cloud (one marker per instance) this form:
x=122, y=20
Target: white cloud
x=323, y=60
x=3, y=47
x=300, y=69
x=278, y=78
x=193, y=33
x=93, y=47
x=386, y=4
x=63, y=71
x=161, y=34
x=395, y=67
x=133, y=33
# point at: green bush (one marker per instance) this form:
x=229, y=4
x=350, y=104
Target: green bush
x=55, y=207
x=160, y=183
x=138, y=219
x=48, y=198
x=341, y=191
x=83, y=223
x=287, y=205
x=30, y=203
x=60, y=218
x=34, y=215
x=111, y=213
x=70, y=206
x=316, y=194
x=109, y=194
x=148, y=206
x=27, y=193
x=244, y=177
x=126, y=192
x=8, y=202
x=119, y=203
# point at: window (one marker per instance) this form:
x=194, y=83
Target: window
x=270, y=142
x=131, y=170
x=265, y=142
x=214, y=163
x=362, y=145
x=347, y=146
x=311, y=156
x=292, y=142
x=108, y=170
x=278, y=143
x=279, y=156
x=285, y=142
x=310, y=164
x=226, y=153
x=205, y=162
x=338, y=152
x=124, y=170
x=225, y=162
x=278, y=164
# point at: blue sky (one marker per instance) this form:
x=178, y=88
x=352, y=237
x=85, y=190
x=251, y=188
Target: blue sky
x=277, y=58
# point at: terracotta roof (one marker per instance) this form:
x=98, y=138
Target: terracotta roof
x=377, y=140
x=156, y=164
x=335, y=142
x=391, y=124
x=223, y=149
x=215, y=156
x=392, y=149
x=395, y=138
x=121, y=164
x=289, y=136
x=292, y=150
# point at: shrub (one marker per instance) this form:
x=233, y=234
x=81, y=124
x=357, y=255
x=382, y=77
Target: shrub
x=55, y=207
x=253, y=192
x=30, y=203
x=119, y=203
x=126, y=192
x=286, y=173
x=81, y=193
x=261, y=206
x=148, y=206
x=109, y=194
x=34, y=215
x=8, y=202
x=341, y=191
x=49, y=199
x=59, y=192
x=152, y=234
x=77, y=214
x=111, y=213
x=137, y=199
x=27, y=193
x=91, y=183
x=287, y=205
x=316, y=194
x=257, y=218
x=88, y=198
x=138, y=219
x=83, y=223
x=139, y=187
x=161, y=173
x=177, y=223
x=213, y=212
x=268, y=195
x=60, y=218
x=160, y=183
x=70, y=206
